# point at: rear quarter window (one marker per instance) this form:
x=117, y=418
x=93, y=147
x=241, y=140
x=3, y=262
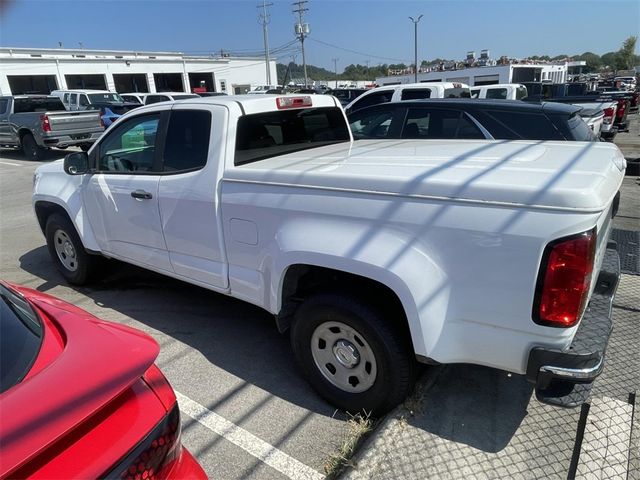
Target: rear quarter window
x=508, y=125
x=264, y=135
x=416, y=93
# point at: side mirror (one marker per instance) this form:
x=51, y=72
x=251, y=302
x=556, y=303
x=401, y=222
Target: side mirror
x=76, y=163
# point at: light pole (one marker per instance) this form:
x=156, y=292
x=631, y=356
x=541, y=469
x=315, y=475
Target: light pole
x=415, y=50
x=335, y=69
x=264, y=20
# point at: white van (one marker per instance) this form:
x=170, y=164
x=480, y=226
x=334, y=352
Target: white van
x=408, y=91
x=500, y=91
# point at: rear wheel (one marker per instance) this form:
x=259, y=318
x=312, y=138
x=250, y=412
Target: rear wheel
x=67, y=251
x=351, y=353
x=30, y=148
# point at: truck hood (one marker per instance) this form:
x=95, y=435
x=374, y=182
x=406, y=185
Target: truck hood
x=575, y=176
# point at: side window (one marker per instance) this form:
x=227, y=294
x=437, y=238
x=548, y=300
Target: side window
x=416, y=93
x=84, y=101
x=187, y=143
x=65, y=99
x=506, y=125
x=131, y=147
x=372, y=99
x=497, y=93
x=74, y=100
x=156, y=98
x=371, y=124
x=439, y=124
x=4, y=103
x=475, y=93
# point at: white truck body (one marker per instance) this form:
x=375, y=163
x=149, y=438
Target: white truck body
x=408, y=91
x=455, y=229
x=500, y=91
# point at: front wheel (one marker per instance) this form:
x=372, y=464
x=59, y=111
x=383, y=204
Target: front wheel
x=352, y=354
x=67, y=251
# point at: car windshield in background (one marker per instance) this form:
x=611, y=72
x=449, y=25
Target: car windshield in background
x=38, y=104
x=105, y=97
x=20, y=338
x=265, y=135
x=457, y=93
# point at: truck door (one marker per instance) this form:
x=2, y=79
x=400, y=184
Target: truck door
x=188, y=193
x=121, y=198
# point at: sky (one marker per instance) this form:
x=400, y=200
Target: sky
x=352, y=31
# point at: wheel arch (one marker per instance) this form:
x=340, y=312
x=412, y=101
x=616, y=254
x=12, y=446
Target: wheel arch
x=300, y=280
x=45, y=208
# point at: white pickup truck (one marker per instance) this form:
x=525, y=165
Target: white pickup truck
x=373, y=255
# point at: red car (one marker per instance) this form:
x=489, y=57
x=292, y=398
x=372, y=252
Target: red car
x=82, y=398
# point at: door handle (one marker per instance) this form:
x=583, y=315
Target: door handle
x=141, y=194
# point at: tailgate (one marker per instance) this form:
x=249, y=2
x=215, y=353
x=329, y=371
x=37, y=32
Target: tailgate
x=74, y=121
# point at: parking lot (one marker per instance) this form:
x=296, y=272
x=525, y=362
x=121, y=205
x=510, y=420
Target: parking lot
x=248, y=413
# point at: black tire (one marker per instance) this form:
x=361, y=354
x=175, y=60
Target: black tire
x=59, y=229
x=30, y=148
x=394, y=361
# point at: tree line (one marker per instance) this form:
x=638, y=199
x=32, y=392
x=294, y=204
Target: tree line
x=623, y=59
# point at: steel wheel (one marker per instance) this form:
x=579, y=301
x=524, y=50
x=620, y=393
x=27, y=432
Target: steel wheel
x=343, y=357
x=65, y=250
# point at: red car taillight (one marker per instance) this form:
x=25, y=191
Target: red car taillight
x=151, y=457
x=608, y=115
x=622, y=106
x=564, y=280
x=46, y=126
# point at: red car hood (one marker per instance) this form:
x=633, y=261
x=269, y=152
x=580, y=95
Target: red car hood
x=99, y=360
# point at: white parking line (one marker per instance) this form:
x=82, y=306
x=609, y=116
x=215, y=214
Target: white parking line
x=277, y=459
x=12, y=164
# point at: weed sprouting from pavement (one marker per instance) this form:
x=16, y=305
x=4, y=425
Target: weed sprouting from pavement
x=357, y=428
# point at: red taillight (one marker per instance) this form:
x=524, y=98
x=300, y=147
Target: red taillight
x=154, y=455
x=622, y=106
x=564, y=280
x=608, y=115
x=293, y=102
x=46, y=126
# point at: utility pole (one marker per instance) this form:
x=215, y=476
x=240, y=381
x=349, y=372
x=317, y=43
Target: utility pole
x=335, y=69
x=415, y=50
x=302, y=30
x=264, y=18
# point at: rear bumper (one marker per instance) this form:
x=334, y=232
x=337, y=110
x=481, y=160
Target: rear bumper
x=70, y=139
x=564, y=378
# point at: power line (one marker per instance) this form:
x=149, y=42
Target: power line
x=357, y=53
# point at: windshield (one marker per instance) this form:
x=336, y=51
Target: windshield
x=105, y=97
x=265, y=135
x=20, y=338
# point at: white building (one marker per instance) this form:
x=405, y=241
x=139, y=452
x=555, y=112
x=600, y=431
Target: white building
x=512, y=73
x=37, y=70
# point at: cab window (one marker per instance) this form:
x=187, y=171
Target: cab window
x=84, y=101
x=497, y=93
x=187, y=143
x=371, y=123
x=131, y=148
x=423, y=123
x=372, y=99
x=416, y=93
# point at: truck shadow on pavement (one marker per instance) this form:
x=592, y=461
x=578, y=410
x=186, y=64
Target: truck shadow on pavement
x=46, y=156
x=477, y=406
x=232, y=335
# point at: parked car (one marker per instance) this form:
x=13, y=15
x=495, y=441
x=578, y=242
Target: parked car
x=111, y=105
x=35, y=123
x=149, y=98
x=372, y=254
x=408, y=91
x=211, y=94
x=470, y=119
x=346, y=95
x=500, y=91
x=81, y=397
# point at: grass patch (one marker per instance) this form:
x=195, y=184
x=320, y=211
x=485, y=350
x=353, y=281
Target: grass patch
x=358, y=426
